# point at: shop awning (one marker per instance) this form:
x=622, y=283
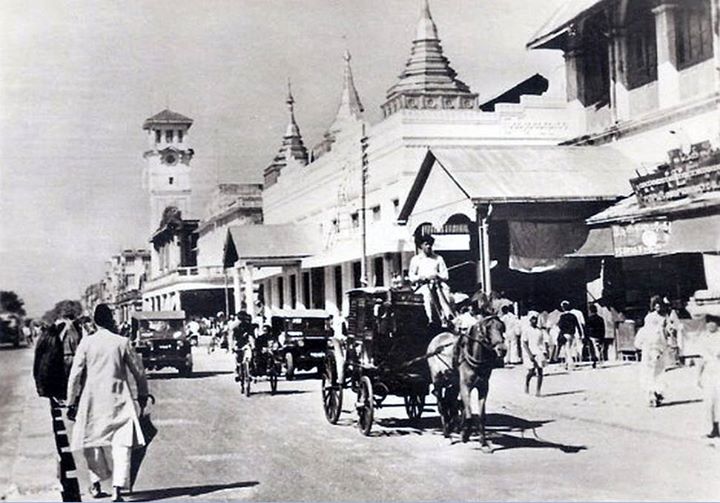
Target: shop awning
x=695, y=235
x=516, y=174
x=560, y=22
x=599, y=243
x=271, y=244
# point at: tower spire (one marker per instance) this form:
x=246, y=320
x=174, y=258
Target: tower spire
x=428, y=81
x=349, y=112
x=292, y=148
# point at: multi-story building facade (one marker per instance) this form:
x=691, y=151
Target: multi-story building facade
x=644, y=77
x=321, y=191
x=186, y=272
x=121, y=285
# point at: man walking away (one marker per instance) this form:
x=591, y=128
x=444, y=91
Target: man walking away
x=650, y=340
x=107, y=424
x=570, y=331
x=595, y=334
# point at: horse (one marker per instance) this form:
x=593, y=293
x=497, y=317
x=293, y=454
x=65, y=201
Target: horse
x=459, y=370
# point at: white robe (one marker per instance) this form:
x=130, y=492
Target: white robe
x=106, y=405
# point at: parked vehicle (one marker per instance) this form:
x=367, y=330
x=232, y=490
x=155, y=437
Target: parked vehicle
x=11, y=329
x=385, y=354
x=160, y=339
x=303, y=337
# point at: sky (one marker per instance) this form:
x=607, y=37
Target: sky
x=78, y=78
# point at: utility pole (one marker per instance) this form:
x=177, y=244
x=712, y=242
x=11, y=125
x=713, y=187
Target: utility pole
x=363, y=205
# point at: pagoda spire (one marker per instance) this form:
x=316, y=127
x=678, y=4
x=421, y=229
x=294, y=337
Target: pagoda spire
x=292, y=148
x=351, y=107
x=428, y=81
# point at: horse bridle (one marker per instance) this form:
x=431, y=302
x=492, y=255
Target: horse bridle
x=484, y=343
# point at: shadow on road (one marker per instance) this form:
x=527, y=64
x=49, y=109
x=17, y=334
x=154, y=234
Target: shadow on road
x=499, y=427
x=194, y=375
x=681, y=402
x=10, y=347
x=189, y=491
x=562, y=393
x=279, y=392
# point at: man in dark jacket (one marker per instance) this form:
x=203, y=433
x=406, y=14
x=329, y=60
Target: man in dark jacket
x=595, y=334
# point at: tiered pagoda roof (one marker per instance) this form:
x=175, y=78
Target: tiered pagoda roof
x=428, y=81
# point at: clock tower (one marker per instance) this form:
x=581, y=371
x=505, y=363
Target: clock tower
x=167, y=168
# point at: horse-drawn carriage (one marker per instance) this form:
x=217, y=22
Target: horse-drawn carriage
x=384, y=354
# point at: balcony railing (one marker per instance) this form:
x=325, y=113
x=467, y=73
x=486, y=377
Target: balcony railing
x=215, y=274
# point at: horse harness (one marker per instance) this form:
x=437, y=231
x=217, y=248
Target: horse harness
x=484, y=343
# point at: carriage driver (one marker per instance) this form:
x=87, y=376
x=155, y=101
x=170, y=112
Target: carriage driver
x=428, y=268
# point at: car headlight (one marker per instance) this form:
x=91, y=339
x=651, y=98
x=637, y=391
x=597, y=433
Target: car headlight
x=179, y=344
x=301, y=342
x=177, y=334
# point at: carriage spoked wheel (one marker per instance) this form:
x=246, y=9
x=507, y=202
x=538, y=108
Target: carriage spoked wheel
x=246, y=378
x=365, y=406
x=414, y=405
x=332, y=392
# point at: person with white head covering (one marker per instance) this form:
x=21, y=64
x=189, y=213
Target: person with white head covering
x=533, y=348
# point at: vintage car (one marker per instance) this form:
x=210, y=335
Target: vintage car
x=303, y=336
x=11, y=329
x=159, y=338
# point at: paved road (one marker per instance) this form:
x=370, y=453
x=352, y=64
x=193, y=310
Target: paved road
x=215, y=444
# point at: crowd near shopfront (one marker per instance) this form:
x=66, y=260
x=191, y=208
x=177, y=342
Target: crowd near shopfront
x=603, y=204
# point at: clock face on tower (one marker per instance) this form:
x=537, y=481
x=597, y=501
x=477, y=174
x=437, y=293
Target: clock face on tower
x=170, y=159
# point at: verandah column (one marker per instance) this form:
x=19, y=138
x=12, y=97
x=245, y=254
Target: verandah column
x=483, y=267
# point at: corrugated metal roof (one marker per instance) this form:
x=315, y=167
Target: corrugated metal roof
x=561, y=20
x=554, y=173
x=274, y=241
x=629, y=209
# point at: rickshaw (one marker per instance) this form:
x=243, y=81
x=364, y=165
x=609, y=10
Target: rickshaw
x=159, y=338
x=257, y=357
x=303, y=337
x=385, y=354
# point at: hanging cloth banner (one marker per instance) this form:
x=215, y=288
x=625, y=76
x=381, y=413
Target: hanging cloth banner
x=542, y=246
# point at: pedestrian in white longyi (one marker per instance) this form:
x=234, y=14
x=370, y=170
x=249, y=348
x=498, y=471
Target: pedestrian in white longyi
x=650, y=340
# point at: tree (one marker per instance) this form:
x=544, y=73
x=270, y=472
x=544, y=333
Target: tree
x=64, y=307
x=11, y=303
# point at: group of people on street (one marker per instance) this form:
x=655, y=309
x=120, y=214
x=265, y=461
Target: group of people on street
x=92, y=380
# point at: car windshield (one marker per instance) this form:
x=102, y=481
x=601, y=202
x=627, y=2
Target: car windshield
x=309, y=325
x=160, y=328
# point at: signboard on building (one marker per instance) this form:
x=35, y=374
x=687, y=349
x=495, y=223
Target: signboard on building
x=641, y=238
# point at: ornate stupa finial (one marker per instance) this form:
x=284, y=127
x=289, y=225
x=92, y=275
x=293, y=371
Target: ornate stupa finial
x=292, y=147
x=349, y=112
x=428, y=81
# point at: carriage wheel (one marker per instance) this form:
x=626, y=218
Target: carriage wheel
x=332, y=391
x=414, y=405
x=365, y=406
x=247, y=379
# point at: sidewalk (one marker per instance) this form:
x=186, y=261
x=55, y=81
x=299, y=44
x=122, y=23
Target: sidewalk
x=609, y=395
x=32, y=469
